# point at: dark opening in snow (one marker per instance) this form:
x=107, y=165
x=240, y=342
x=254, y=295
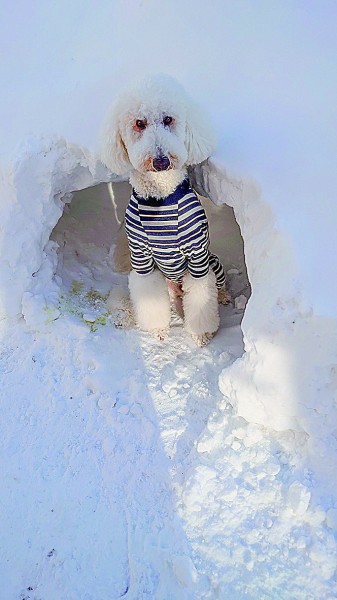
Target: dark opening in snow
x=93, y=250
x=91, y=238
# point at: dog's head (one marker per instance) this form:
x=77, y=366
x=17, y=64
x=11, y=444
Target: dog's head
x=155, y=127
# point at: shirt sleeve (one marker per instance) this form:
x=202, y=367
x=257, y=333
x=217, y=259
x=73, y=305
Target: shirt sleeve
x=141, y=260
x=194, y=236
x=198, y=262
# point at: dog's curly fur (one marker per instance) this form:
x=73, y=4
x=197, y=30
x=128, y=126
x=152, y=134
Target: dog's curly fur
x=152, y=120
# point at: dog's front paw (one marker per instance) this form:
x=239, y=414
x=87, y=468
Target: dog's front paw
x=202, y=339
x=224, y=297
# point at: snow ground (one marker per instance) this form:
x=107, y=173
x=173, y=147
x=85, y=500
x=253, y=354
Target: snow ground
x=126, y=473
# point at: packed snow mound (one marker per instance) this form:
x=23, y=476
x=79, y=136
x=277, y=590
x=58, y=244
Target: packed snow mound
x=286, y=378
x=34, y=193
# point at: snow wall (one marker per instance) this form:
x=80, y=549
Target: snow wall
x=266, y=75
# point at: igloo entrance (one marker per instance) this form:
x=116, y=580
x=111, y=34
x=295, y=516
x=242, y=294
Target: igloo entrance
x=93, y=253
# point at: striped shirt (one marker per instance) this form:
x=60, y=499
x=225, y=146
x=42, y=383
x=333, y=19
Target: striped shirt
x=171, y=234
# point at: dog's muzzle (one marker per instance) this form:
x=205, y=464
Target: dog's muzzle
x=161, y=163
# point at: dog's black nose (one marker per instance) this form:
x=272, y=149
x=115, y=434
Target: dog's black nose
x=161, y=163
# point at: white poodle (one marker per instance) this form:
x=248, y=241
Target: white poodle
x=153, y=133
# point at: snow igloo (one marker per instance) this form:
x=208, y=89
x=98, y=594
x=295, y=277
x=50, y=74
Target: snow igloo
x=59, y=200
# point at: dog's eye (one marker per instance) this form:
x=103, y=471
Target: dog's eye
x=167, y=121
x=141, y=125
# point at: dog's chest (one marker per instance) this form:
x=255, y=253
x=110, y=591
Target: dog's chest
x=159, y=218
x=166, y=224
x=153, y=222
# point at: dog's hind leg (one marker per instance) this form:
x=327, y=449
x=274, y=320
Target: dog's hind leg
x=175, y=291
x=151, y=303
x=201, y=309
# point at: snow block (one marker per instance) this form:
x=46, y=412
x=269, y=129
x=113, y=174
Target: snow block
x=33, y=195
x=287, y=377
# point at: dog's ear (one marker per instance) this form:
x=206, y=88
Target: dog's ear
x=112, y=150
x=200, y=138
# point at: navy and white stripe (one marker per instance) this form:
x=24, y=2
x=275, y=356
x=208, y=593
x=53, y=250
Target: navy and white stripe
x=171, y=234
